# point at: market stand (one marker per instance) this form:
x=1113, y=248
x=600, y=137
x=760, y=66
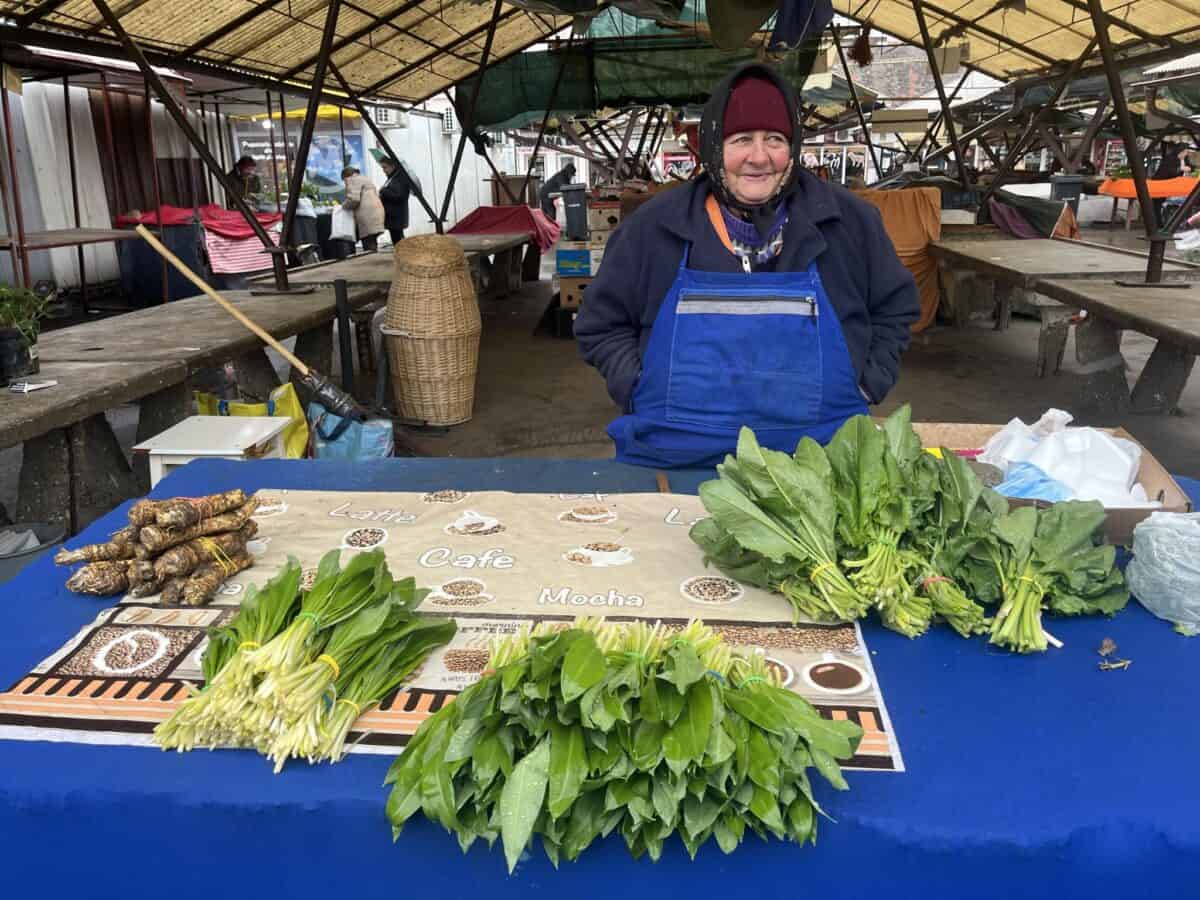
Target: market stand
x=73, y=468
x=1009, y=271
x=1040, y=772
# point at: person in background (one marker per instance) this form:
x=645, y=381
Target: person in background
x=554, y=185
x=245, y=179
x=362, y=198
x=394, y=194
x=1172, y=165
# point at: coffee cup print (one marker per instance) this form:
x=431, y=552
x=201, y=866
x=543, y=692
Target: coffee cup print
x=589, y=514
x=831, y=675
x=364, y=538
x=474, y=524
x=785, y=672
x=600, y=554
x=460, y=593
x=711, y=590
x=445, y=496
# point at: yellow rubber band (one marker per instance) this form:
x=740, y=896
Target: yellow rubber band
x=219, y=556
x=821, y=568
x=354, y=706
x=249, y=645
x=332, y=663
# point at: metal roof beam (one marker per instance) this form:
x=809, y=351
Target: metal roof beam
x=987, y=32
x=228, y=28
x=39, y=13
x=356, y=35
x=430, y=57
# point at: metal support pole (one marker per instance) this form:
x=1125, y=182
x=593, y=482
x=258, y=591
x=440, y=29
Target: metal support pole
x=1181, y=213
x=310, y=120
x=383, y=142
x=470, y=122
x=287, y=146
x=947, y=115
x=653, y=118
x=862, y=119
x=204, y=133
x=168, y=101
x=1017, y=150
x=118, y=180
x=274, y=159
x=79, y=256
x=342, y=136
x=223, y=143
x=937, y=122
x=537, y=146
x=19, y=243
x=342, y=309
x=633, y=119
x=1158, y=243
x=158, y=210
x=594, y=133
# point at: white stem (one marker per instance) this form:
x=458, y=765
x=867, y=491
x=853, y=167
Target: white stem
x=1052, y=640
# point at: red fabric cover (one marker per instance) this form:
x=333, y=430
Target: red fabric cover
x=511, y=220
x=756, y=104
x=228, y=223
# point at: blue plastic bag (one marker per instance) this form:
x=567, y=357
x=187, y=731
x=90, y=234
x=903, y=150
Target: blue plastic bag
x=352, y=440
x=1028, y=482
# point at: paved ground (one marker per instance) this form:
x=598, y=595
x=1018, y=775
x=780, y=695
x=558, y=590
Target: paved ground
x=536, y=398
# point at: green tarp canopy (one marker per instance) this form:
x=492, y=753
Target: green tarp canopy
x=618, y=72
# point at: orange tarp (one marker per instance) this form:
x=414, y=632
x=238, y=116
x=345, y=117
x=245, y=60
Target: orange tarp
x=1160, y=189
x=913, y=219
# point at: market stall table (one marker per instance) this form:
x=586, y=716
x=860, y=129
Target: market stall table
x=1008, y=271
x=498, y=276
x=73, y=467
x=1039, y=776
x=1170, y=315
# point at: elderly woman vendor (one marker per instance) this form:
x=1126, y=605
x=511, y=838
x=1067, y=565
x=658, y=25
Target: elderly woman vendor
x=754, y=295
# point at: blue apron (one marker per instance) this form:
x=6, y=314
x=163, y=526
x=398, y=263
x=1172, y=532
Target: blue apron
x=762, y=349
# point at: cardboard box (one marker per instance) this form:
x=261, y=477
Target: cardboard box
x=599, y=239
x=578, y=259
x=603, y=215
x=1120, y=522
x=570, y=292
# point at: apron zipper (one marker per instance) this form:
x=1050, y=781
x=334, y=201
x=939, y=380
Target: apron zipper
x=746, y=264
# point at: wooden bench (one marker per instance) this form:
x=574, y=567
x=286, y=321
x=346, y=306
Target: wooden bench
x=73, y=468
x=1170, y=315
x=1002, y=275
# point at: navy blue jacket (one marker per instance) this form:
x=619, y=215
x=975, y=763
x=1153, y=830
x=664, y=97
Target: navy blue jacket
x=874, y=295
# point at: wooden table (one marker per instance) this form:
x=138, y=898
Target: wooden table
x=1003, y=274
x=1170, y=315
x=73, y=468
x=497, y=262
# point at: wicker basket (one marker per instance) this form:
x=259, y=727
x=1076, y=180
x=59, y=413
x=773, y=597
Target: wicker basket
x=431, y=328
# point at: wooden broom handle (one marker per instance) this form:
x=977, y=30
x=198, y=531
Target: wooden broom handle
x=199, y=282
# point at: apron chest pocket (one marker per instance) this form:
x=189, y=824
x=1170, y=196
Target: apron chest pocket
x=753, y=361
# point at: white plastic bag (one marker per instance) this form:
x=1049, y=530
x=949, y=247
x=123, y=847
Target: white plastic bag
x=1016, y=441
x=1165, y=572
x=1094, y=465
x=341, y=228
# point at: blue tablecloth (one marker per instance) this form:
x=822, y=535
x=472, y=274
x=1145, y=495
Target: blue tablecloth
x=1027, y=776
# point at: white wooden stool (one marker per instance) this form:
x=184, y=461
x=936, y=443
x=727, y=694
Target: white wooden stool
x=222, y=437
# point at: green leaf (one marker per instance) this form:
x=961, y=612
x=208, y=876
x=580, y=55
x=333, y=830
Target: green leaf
x=568, y=767
x=684, y=743
x=720, y=747
x=583, y=667
x=647, y=749
x=521, y=802
x=683, y=667
x=764, y=763
x=462, y=742
x=764, y=807
x=666, y=793
x=587, y=817
x=802, y=821
x=699, y=815
x=490, y=757
x=754, y=529
x=828, y=767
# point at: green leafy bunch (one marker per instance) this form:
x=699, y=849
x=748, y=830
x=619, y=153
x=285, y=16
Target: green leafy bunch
x=580, y=732
x=873, y=521
x=293, y=670
x=22, y=309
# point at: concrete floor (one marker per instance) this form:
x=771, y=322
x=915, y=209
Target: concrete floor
x=535, y=397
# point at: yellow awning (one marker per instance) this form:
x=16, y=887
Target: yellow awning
x=324, y=111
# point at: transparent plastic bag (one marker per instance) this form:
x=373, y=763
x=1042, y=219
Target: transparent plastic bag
x=1165, y=572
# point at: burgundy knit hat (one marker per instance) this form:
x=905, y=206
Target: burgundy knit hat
x=755, y=104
